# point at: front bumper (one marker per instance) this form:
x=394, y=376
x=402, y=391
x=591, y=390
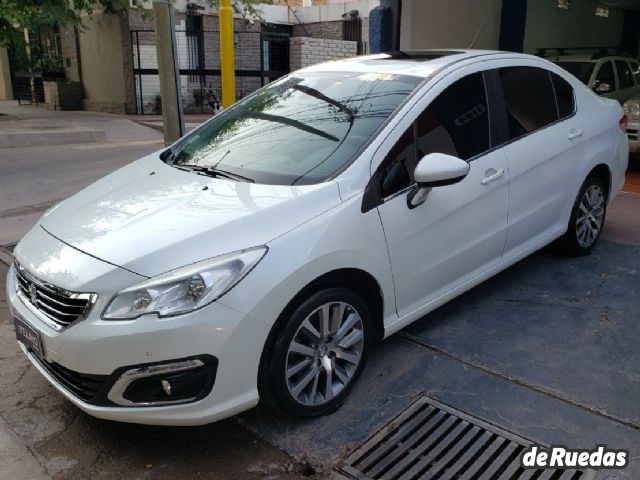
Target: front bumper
x=633, y=130
x=98, y=348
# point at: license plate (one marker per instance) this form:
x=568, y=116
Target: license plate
x=26, y=334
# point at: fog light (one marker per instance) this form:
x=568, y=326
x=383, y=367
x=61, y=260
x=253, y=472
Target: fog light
x=166, y=386
x=169, y=383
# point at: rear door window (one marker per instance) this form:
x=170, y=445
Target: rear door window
x=624, y=74
x=530, y=99
x=564, y=96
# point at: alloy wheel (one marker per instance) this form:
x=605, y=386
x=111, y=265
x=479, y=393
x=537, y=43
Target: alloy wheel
x=590, y=216
x=324, y=353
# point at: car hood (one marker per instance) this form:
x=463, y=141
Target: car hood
x=149, y=217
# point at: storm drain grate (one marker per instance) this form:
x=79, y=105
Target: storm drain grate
x=431, y=440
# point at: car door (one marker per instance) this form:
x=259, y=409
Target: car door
x=459, y=231
x=544, y=145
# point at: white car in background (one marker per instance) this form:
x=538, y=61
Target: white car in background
x=611, y=76
x=263, y=255
x=632, y=110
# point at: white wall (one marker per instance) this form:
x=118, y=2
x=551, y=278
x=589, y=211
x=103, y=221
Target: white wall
x=315, y=13
x=450, y=23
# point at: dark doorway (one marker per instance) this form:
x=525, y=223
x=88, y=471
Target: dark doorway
x=630, y=41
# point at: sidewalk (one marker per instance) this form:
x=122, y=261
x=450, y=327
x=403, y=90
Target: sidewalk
x=34, y=126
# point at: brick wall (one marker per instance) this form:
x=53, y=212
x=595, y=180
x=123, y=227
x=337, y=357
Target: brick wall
x=307, y=51
x=319, y=30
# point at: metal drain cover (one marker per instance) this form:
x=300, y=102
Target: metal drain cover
x=432, y=440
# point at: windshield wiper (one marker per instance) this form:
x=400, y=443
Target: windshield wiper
x=217, y=173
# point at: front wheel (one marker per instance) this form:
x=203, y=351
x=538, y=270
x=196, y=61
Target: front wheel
x=316, y=353
x=587, y=218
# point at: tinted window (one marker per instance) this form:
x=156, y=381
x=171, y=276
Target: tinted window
x=581, y=70
x=624, y=74
x=298, y=130
x=605, y=75
x=529, y=97
x=457, y=122
x=564, y=96
x=635, y=70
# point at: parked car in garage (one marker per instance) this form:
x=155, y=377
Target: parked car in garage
x=610, y=75
x=263, y=255
x=632, y=110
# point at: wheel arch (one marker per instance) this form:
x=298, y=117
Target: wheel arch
x=603, y=171
x=355, y=279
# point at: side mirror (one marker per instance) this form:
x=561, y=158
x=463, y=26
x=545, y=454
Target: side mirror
x=435, y=170
x=603, y=87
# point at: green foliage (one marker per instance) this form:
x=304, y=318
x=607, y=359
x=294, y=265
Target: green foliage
x=16, y=15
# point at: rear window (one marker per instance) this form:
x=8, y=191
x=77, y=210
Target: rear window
x=581, y=70
x=298, y=130
x=530, y=99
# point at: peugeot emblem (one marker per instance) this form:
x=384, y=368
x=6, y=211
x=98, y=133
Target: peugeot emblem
x=33, y=293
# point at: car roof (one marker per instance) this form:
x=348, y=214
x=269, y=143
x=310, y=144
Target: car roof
x=420, y=63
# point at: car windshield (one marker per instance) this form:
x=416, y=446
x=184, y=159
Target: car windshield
x=299, y=130
x=581, y=70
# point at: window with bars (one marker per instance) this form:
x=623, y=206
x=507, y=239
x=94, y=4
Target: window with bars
x=195, y=45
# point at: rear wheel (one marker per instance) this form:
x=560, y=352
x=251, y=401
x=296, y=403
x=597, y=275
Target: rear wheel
x=316, y=353
x=587, y=218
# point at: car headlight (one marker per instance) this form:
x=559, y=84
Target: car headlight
x=632, y=110
x=185, y=289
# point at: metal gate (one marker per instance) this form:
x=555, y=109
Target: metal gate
x=34, y=61
x=260, y=57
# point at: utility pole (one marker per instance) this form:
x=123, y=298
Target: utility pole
x=227, y=64
x=166, y=52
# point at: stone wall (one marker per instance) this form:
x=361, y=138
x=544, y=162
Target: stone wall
x=331, y=30
x=104, y=60
x=307, y=51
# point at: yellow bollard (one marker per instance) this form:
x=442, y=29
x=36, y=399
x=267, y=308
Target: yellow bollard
x=227, y=64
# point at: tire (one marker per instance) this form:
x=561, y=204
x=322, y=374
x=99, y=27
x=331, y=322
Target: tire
x=587, y=218
x=298, y=360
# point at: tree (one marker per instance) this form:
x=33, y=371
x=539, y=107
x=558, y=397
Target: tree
x=16, y=15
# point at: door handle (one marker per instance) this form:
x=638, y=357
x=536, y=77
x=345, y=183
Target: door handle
x=573, y=134
x=492, y=175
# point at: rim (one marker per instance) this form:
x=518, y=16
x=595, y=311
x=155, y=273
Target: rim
x=324, y=353
x=590, y=216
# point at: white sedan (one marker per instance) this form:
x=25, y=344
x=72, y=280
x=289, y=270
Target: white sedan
x=264, y=254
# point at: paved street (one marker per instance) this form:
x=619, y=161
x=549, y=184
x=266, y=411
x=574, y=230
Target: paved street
x=547, y=350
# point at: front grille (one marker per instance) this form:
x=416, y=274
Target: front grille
x=59, y=306
x=632, y=134
x=433, y=440
x=82, y=385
